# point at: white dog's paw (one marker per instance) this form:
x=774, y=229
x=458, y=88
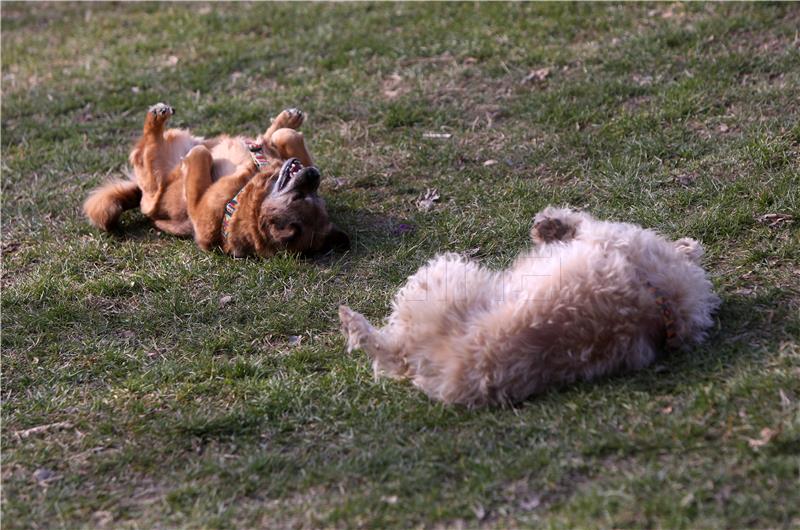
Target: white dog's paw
x=291, y=118
x=549, y=226
x=354, y=327
x=691, y=248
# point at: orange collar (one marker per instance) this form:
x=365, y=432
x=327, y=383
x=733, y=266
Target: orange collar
x=667, y=315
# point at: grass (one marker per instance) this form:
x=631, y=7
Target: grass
x=180, y=411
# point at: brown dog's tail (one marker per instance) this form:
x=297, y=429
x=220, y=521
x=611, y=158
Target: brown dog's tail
x=106, y=203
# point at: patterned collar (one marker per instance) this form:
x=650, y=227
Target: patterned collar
x=230, y=209
x=257, y=153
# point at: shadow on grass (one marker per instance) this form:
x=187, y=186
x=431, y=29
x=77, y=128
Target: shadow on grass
x=134, y=226
x=746, y=326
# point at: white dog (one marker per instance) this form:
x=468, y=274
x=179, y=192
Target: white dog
x=590, y=299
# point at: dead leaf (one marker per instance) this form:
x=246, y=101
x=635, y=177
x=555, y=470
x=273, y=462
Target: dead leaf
x=389, y=499
x=767, y=435
x=723, y=128
x=490, y=163
x=58, y=426
x=102, y=518
x=643, y=80
x=537, y=75
x=775, y=220
x=393, y=86
x=785, y=401
x=426, y=201
x=686, y=179
x=437, y=135
x=667, y=410
x=172, y=60
x=337, y=182
x=480, y=512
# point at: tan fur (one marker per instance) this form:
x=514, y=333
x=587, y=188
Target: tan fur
x=578, y=305
x=184, y=182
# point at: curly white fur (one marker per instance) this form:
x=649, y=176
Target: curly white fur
x=578, y=305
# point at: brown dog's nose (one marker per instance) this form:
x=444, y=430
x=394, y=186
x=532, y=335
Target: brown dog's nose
x=309, y=178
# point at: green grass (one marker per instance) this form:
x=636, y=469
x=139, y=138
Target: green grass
x=183, y=413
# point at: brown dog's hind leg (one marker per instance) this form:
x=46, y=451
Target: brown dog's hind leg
x=205, y=201
x=196, y=167
x=290, y=144
x=176, y=228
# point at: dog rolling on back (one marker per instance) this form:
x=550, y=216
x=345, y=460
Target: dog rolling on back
x=248, y=196
x=591, y=298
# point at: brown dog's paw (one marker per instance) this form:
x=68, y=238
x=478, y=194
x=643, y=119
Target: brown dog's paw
x=161, y=110
x=159, y=113
x=549, y=229
x=290, y=118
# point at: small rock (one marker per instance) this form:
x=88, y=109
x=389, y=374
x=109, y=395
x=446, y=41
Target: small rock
x=43, y=475
x=489, y=163
x=775, y=220
x=225, y=300
x=531, y=503
x=295, y=340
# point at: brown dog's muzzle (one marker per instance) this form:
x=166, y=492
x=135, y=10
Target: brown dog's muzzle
x=294, y=177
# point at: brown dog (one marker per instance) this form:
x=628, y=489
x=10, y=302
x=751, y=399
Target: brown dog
x=247, y=196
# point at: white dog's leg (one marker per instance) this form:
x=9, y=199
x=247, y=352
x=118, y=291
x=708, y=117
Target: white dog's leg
x=361, y=335
x=555, y=224
x=691, y=248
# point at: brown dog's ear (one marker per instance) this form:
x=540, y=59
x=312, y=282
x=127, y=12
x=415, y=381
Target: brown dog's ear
x=284, y=234
x=335, y=239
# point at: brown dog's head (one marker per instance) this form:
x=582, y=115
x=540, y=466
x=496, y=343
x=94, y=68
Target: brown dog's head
x=293, y=216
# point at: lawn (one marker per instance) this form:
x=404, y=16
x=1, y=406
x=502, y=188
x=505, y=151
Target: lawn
x=146, y=383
